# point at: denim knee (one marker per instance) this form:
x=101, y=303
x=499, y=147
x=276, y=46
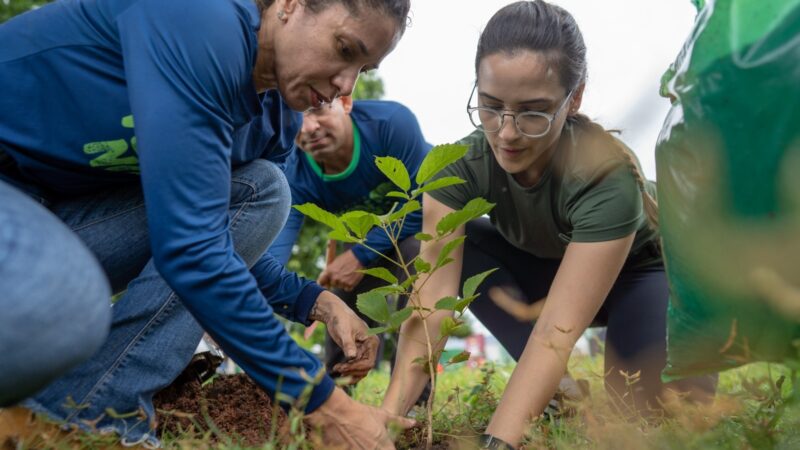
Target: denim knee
x=55, y=299
x=260, y=202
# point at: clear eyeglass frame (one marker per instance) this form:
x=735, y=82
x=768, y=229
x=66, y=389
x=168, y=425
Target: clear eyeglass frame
x=516, y=115
x=319, y=110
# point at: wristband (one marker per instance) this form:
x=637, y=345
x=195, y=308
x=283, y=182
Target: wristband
x=489, y=442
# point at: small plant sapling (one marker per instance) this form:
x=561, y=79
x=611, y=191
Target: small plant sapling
x=353, y=226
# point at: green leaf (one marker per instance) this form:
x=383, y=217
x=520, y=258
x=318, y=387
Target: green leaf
x=377, y=330
x=320, y=215
x=437, y=159
x=409, y=281
x=475, y=208
x=472, y=283
x=397, y=194
x=342, y=235
x=407, y=208
x=360, y=222
x=423, y=237
x=461, y=357
x=447, y=249
x=398, y=317
x=394, y=169
x=421, y=265
x=386, y=290
x=382, y=273
x=438, y=184
x=447, y=326
x=374, y=306
x=448, y=303
x=464, y=302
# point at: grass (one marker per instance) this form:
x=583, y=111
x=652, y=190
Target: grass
x=756, y=407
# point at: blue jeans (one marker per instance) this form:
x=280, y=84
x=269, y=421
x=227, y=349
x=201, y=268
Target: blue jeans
x=152, y=335
x=53, y=297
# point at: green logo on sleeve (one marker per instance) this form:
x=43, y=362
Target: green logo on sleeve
x=111, y=155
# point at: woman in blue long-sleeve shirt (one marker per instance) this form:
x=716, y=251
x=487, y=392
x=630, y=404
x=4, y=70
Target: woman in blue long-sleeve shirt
x=127, y=121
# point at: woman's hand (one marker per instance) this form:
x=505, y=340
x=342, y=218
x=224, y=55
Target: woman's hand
x=582, y=283
x=347, y=423
x=350, y=333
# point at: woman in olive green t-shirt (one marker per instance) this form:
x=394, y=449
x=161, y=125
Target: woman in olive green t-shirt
x=574, y=222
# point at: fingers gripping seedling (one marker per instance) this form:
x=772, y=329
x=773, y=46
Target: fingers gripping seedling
x=352, y=227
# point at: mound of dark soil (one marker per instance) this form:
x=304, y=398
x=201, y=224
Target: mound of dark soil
x=230, y=406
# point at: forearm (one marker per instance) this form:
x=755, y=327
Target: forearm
x=531, y=386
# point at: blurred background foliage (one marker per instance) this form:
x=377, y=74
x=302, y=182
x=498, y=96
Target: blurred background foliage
x=10, y=8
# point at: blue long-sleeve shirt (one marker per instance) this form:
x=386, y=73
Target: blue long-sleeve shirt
x=103, y=93
x=380, y=128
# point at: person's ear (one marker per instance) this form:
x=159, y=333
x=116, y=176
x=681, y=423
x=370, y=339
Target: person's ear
x=286, y=7
x=575, y=101
x=347, y=103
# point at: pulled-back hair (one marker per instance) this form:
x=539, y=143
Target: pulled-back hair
x=395, y=9
x=548, y=29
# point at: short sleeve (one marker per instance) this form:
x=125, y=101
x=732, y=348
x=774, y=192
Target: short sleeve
x=608, y=208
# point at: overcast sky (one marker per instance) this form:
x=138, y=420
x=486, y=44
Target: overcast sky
x=630, y=44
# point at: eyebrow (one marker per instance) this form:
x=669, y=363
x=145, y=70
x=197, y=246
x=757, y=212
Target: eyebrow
x=362, y=46
x=525, y=102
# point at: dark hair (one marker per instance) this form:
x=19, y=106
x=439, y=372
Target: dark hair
x=543, y=27
x=395, y=9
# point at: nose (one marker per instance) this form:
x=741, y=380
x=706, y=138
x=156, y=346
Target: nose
x=508, y=129
x=310, y=124
x=345, y=81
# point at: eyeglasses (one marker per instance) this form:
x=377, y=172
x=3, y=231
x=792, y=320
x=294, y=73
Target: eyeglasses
x=319, y=110
x=532, y=124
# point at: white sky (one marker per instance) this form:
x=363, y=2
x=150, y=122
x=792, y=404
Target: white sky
x=630, y=43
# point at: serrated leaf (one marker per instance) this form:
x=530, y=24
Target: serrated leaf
x=398, y=317
x=397, y=194
x=464, y=303
x=382, y=273
x=377, y=330
x=374, y=306
x=472, y=210
x=438, y=184
x=472, y=283
x=320, y=215
x=437, y=159
x=422, y=266
x=360, y=222
x=461, y=357
x=394, y=169
x=448, y=303
x=447, y=249
x=407, y=208
x=423, y=237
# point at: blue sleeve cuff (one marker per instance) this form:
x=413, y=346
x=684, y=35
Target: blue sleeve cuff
x=305, y=301
x=321, y=393
x=364, y=255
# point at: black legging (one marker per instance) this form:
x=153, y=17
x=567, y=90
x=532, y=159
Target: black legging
x=634, y=312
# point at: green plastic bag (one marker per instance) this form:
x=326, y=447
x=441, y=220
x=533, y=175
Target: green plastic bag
x=728, y=162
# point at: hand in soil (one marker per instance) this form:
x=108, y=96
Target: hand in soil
x=347, y=423
x=350, y=333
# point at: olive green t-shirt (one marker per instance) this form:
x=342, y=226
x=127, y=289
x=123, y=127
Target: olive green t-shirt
x=588, y=193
